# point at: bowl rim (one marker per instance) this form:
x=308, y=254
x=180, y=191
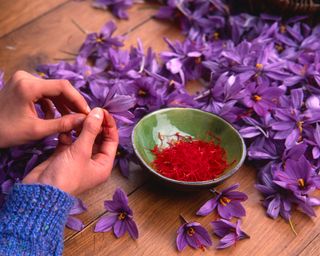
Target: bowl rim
x=193, y=183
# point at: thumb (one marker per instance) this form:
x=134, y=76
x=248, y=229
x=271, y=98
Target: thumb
x=90, y=130
x=63, y=124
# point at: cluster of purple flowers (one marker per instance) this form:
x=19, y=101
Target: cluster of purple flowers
x=261, y=73
x=228, y=205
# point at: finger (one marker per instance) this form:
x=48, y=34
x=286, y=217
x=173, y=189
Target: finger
x=58, y=90
x=43, y=128
x=62, y=109
x=90, y=130
x=110, y=140
x=47, y=108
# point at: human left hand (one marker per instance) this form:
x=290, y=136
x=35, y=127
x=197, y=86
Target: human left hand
x=19, y=121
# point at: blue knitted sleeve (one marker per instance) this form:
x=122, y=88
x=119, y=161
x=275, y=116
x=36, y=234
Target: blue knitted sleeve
x=32, y=220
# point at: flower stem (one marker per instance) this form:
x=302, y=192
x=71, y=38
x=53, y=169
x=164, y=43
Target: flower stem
x=183, y=220
x=214, y=191
x=79, y=27
x=292, y=227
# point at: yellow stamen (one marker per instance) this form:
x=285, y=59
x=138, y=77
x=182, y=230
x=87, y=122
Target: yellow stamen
x=301, y=183
x=122, y=216
x=224, y=200
x=118, y=153
x=300, y=126
x=283, y=29
x=216, y=35
x=197, y=60
x=99, y=40
x=87, y=73
x=257, y=97
x=41, y=74
x=292, y=227
x=279, y=48
x=191, y=231
x=142, y=93
x=259, y=66
x=171, y=83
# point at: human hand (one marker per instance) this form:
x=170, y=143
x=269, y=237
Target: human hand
x=19, y=121
x=83, y=164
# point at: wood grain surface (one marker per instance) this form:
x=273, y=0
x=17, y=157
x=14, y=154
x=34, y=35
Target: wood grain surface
x=35, y=32
x=14, y=14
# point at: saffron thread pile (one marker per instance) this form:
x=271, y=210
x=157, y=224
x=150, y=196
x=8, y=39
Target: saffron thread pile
x=190, y=159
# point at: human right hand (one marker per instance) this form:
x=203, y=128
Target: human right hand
x=83, y=164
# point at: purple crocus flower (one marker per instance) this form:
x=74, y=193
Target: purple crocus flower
x=73, y=222
x=97, y=43
x=192, y=234
x=227, y=202
x=120, y=218
x=228, y=232
x=184, y=59
x=290, y=122
x=256, y=127
x=298, y=176
x=277, y=199
x=262, y=98
x=123, y=64
x=145, y=90
x=118, y=7
x=118, y=105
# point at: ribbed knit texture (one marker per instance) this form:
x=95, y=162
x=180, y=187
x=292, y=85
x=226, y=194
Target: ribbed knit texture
x=32, y=220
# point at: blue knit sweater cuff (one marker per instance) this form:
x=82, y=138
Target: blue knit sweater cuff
x=37, y=214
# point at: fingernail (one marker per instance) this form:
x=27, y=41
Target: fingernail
x=97, y=113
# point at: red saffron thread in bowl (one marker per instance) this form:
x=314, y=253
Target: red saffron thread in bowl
x=189, y=159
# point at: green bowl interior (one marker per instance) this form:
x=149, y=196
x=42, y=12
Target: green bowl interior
x=187, y=122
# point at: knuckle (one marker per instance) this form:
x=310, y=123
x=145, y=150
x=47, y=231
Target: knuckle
x=23, y=87
x=64, y=84
x=64, y=125
x=18, y=75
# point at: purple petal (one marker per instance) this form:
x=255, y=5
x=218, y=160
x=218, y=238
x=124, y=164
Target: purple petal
x=6, y=186
x=74, y=223
x=132, y=228
x=78, y=207
x=174, y=65
x=227, y=241
x=105, y=223
x=181, y=241
x=207, y=208
x=119, y=228
x=224, y=212
x=236, y=195
x=203, y=236
x=292, y=139
x=274, y=207
x=232, y=187
x=192, y=241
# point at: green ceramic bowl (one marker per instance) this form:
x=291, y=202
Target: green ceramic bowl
x=187, y=121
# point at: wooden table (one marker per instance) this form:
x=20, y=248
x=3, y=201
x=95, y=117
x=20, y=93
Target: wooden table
x=35, y=31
